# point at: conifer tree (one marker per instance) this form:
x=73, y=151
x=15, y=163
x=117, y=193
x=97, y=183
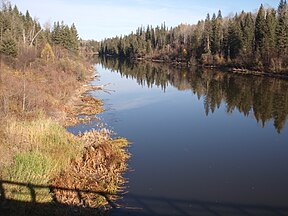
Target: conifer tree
x=8, y=45
x=260, y=29
x=234, y=39
x=248, y=35
x=206, y=37
x=216, y=33
x=282, y=29
x=270, y=35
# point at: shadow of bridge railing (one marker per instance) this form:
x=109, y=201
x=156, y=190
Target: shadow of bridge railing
x=131, y=205
x=140, y=205
x=9, y=205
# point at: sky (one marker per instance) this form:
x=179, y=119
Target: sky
x=99, y=19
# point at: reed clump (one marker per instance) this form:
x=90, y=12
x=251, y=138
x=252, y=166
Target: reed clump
x=98, y=170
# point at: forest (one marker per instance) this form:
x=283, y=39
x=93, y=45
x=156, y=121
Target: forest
x=20, y=33
x=255, y=41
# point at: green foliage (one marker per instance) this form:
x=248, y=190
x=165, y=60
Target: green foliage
x=9, y=47
x=282, y=29
x=249, y=40
x=66, y=36
x=260, y=30
x=216, y=29
x=247, y=26
x=44, y=139
x=48, y=149
x=19, y=31
x=31, y=167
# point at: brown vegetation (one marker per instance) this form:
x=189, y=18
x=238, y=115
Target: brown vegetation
x=36, y=101
x=35, y=148
x=98, y=170
x=43, y=88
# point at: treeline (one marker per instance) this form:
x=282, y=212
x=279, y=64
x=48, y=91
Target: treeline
x=265, y=98
x=250, y=40
x=20, y=33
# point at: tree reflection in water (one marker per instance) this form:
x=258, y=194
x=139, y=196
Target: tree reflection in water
x=264, y=97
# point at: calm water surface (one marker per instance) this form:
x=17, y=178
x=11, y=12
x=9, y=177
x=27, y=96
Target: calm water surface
x=204, y=143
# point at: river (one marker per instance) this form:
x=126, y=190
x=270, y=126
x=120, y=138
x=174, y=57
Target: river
x=203, y=142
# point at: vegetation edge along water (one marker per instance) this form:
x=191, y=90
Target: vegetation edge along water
x=43, y=88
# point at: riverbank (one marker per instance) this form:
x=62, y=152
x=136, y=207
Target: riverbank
x=229, y=68
x=37, y=150
x=223, y=67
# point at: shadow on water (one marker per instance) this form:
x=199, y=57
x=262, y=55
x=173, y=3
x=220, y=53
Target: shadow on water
x=264, y=98
x=32, y=207
x=146, y=205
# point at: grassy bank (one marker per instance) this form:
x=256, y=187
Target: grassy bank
x=40, y=150
x=37, y=151
x=43, y=84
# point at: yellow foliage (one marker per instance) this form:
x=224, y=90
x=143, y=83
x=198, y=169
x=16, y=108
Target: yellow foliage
x=47, y=53
x=184, y=53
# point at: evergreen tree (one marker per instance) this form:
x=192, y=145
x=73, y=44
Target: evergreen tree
x=8, y=45
x=74, y=38
x=216, y=33
x=248, y=35
x=260, y=30
x=248, y=39
x=206, y=37
x=282, y=29
x=270, y=35
x=56, y=37
x=234, y=39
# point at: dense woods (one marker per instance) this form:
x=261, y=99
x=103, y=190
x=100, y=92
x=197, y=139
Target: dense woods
x=23, y=40
x=257, y=41
x=20, y=31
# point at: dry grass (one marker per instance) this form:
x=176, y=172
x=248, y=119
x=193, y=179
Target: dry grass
x=40, y=149
x=34, y=147
x=35, y=103
x=99, y=169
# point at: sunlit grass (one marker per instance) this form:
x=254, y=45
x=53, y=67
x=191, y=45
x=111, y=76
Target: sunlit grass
x=43, y=150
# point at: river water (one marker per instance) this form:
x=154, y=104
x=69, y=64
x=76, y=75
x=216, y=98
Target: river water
x=203, y=142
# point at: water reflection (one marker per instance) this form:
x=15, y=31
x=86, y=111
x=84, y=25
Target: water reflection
x=263, y=98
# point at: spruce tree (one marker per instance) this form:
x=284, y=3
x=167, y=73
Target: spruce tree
x=270, y=35
x=282, y=29
x=248, y=36
x=216, y=33
x=206, y=36
x=8, y=46
x=234, y=38
x=74, y=38
x=260, y=30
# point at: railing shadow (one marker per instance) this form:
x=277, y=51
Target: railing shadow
x=17, y=207
x=140, y=205
x=131, y=205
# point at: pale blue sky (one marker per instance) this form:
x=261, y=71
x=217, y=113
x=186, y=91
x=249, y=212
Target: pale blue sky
x=99, y=19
